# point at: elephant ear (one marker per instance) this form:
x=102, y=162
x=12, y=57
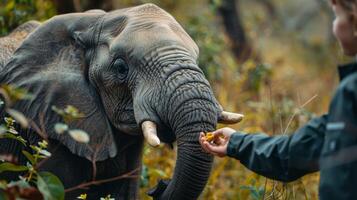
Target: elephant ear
x=51, y=65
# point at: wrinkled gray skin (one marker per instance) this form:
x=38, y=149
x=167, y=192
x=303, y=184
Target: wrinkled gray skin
x=119, y=68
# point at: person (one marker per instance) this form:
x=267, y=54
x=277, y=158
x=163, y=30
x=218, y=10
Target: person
x=327, y=143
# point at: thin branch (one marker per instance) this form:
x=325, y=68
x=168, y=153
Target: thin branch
x=297, y=111
x=308, y=101
x=94, y=165
x=45, y=159
x=37, y=129
x=281, y=122
x=98, y=182
x=40, y=130
x=42, y=123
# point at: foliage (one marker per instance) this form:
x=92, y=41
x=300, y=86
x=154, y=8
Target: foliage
x=255, y=192
x=69, y=113
x=32, y=183
x=15, y=12
x=210, y=45
x=50, y=186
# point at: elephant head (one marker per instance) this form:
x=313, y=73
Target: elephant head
x=132, y=71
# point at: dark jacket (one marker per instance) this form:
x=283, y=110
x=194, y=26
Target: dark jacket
x=327, y=143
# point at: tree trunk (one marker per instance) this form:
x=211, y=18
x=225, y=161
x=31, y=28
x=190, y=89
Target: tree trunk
x=64, y=6
x=241, y=47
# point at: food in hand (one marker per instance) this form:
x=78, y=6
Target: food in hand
x=209, y=137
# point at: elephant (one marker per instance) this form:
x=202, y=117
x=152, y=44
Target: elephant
x=133, y=72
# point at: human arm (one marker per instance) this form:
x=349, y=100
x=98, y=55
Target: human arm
x=281, y=157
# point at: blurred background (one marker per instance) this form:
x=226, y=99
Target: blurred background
x=272, y=60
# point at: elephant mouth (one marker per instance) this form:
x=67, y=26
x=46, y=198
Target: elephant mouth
x=126, y=122
x=165, y=134
x=130, y=129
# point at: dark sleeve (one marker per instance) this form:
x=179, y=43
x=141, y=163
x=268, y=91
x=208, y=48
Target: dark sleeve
x=282, y=157
x=339, y=156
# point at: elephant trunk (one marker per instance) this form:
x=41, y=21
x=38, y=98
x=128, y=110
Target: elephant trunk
x=192, y=109
x=193, y=166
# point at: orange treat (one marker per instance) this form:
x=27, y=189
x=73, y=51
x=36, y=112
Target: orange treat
x=209, y=136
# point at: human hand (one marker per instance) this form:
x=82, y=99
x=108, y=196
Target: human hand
x=218, y=145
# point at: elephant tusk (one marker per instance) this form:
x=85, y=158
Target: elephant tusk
x=150, y=133
x=230, y=118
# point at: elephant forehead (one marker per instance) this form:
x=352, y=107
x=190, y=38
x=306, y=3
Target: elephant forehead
x=140, y=36
x=147, y=15
x=148, y=8
x=147, y=26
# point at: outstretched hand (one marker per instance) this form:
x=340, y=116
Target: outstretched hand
x=218, y=145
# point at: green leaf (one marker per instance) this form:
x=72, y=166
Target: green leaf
x=159, y=173
x=11, y=167
x=69, y=113
x=9, y=121
x=79, y=135
x=255, y=194
x=45, y=153
x=244, y=187
x=29, y=157
x=14, y=137
x=144, y=178
x=57, y=110
x=16, y=93
x=19, y=117
x=2, y=195
x=12, y=131
x=50, y=186
x=22, y=183
x=82, y=196
x=3, y=129
x=61, y=128
x=43, y=144
x=3, y=184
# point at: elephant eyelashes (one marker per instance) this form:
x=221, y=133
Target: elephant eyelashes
x=121, y=68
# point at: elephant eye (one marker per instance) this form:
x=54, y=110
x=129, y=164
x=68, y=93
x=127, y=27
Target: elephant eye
x=121, y=68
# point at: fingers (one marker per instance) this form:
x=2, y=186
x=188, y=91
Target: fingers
x=202, y=139
x=215, y=150
x=220, y=140
x=217, y=138
x=218, y=132
x=217, y=147
x=226, y=131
